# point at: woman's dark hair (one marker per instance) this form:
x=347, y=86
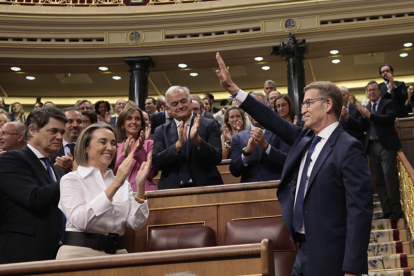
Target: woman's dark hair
x=119, y=128
x=39, y=117
x=227, y=115
x=91, y=115
x=108, y=106
x=289, y=100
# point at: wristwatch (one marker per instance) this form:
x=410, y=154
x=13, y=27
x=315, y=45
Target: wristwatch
x=141, y=199
x=246, y=153
x=227, y=145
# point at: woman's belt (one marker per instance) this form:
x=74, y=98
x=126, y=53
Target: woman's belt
x=108, y=243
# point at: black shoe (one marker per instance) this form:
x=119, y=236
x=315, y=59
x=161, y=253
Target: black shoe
x=384, y=216
x=395, y=216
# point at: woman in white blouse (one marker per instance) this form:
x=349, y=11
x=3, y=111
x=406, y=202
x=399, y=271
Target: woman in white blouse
x=97, y=204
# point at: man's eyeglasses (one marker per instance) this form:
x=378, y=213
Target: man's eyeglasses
x=5, y=133
x=308, y=102
x=283, y=105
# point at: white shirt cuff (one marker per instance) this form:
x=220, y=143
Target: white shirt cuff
x=245, y=160
x=241, y=96
x=268, y=149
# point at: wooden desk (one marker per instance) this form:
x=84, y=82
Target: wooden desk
x=211, y=206
x=251, y=259
x=223, y=168
x=405, y=130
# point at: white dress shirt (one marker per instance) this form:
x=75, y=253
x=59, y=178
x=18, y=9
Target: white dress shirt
x=324, y=134
x=88, y=209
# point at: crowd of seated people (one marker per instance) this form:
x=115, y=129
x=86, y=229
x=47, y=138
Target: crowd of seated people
x=182, y=135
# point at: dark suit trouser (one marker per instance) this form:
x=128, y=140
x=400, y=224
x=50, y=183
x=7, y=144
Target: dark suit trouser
x=302, y=266
x=384, y=172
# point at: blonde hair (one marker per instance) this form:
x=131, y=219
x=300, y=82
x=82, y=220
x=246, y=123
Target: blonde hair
x=21, y=112
x=84, y=140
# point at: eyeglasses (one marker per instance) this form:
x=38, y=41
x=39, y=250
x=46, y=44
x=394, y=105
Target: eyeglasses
x=308, y=102
x=5, y=133
x=196, y=109
x=280, y=106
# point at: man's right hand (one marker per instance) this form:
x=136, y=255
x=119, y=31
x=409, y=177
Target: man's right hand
x=182, y=137
x=251, y=145
x=224, y=76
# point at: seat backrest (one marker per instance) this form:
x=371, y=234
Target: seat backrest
x=163, y=238
x=254, y=230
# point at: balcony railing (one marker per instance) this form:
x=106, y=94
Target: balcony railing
x=406, y=175
x=68, y=3
x=153, y=2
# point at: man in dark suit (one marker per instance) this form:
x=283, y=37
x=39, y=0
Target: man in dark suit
x=351, y=116
x=325, y=189
x=188, y=149
x=394, y=90
x=158, y=119
x=73, y=128
x=257, y=153
x=30, y=221
x=198, y=109
x=118, y=107
x=382, y=143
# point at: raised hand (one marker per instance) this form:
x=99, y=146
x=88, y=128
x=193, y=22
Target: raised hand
x=124, y=169
x=224, y=76
x=182, y=137
x=140, y=141
x=251, y=145
x=363, y=110
x=144, y=171
x=227, y=134
x=128, y=145
x=295, y=121
x=194, y=131
x=258, y=137
x=344, y=114
x=65, y=162
x=148, y=131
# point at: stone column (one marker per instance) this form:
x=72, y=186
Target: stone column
x=138, y=82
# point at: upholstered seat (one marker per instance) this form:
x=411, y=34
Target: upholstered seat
x=254, y=230
x=180, y=238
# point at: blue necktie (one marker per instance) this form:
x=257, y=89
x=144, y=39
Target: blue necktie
x=52, y=177
x=298, y=212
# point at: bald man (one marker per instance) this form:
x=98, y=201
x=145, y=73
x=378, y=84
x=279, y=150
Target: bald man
x=12, y=137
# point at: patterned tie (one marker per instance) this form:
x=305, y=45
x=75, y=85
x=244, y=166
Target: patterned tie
x=52, y=177
x=71, y=147
x=298, y=212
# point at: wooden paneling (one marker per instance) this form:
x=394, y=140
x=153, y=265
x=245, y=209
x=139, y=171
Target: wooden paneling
x=252, y=259
x=211, y=206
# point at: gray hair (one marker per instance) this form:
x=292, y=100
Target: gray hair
x=343, y=88
x=258, y=94
x=84, y=101
x=176, y=88
x=328, y=90
x=270, y=81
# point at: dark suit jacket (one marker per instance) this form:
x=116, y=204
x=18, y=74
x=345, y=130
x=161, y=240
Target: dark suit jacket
x=113, y=121
x=338, y=202
x=215, y=109
x=349, y=125
x=157, y=119
x=202, y=162
x=30, y=221
x=262, y=167
x=208, y=115
x=399, y=95
x=384, y=123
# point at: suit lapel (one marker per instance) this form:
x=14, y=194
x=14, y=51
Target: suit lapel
x=37, y=163
x=380, y=107
x=172, y=134
x=268, y=135
x=190, y=143
x=326, y=150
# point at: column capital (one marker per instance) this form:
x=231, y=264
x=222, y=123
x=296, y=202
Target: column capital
x=144, y=61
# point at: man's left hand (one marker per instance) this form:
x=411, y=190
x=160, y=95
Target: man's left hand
x=364, y=111
x=258, y=135
x=194, y=131
x=65, y=163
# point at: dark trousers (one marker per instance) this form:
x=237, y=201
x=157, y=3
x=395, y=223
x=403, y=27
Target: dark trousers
x=384, y=172
x=302, y=266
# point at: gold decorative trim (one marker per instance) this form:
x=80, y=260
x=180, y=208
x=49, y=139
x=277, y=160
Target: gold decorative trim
x=211, y=204
x=276, y=216
x=171, y=224
x=406, y=195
